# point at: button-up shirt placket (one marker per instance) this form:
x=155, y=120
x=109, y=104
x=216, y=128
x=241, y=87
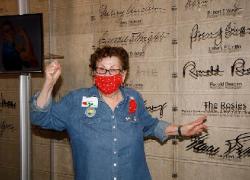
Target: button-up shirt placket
x=114, y=147
x=115, y=140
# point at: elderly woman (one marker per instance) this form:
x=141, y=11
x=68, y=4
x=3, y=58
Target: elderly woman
x=106, y=123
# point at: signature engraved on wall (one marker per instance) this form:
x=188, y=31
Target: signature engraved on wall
x=238, y=68
x=236, y=148
x=196, y=4
x=233, y=8
x=140, y=37
x=197, y=35
x=5, y=127
x=5, y=103
x=218, y=36
x=198, y=145
x=196, y=73
x=155, y=108
x=132, y=14
x=134, y=9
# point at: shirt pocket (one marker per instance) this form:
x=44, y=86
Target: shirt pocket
x=131, y=129
x=89, y=126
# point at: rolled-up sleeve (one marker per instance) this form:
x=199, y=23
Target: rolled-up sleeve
x=153, y=127
x=53, y=115
x=34, y=106
x=160, y=130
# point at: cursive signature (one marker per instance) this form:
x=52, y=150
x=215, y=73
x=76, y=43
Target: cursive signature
x=237, y=147
x=239, y=69
x=191, y=4
x=153, y=108
x=6, y=103
x=143, y=38
x=132, y=10
x=199, y=145
x=195, y=73
x=231, y=30
x=196, y=36
x=4, y=126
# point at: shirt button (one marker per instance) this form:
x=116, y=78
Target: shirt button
x=115, y=139
x=115, y=164
x=115, y=178
x=114, y=127
x=113, y=117
x=114, y=152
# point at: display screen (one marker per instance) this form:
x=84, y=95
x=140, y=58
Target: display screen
x=21, y=43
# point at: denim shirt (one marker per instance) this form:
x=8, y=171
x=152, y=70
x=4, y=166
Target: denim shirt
x=106, y=144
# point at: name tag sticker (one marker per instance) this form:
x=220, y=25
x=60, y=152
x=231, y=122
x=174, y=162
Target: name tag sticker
x=89, y=102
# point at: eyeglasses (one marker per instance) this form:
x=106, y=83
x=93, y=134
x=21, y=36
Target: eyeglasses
x=100, y=70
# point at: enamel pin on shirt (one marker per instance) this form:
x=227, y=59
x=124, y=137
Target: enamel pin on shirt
x=90, y=112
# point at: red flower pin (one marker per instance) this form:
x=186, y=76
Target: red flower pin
x=132, y=106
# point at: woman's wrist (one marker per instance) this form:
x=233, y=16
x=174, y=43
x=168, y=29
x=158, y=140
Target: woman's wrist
x=171, y=130
x=174, y=130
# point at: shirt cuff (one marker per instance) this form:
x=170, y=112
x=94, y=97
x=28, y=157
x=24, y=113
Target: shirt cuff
x=160, y=130
x=34, y=106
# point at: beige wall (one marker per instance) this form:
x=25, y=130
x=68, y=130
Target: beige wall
x=162, y=38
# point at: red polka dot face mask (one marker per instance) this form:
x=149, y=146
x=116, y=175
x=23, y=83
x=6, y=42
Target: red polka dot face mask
x=108, y=84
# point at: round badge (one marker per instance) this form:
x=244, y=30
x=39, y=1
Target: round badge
x=90, y=112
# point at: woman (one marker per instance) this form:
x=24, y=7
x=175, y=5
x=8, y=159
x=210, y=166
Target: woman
x=106, y=122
